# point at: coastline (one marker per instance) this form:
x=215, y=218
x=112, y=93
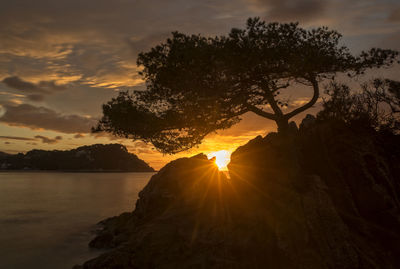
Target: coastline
x=75, y=171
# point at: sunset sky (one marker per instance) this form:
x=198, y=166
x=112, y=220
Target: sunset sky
x=60, y=60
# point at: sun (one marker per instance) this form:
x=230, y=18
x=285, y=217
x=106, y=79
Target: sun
x=222, y=158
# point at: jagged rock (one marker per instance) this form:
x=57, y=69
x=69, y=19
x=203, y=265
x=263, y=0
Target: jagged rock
x=327, y=197
x=308, y=121
x=293, y=127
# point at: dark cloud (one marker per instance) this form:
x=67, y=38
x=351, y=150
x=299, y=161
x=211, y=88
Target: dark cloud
x=16, y=138
x=293, y=10
x=48, y=140
x=36, y=92
x=33, y=117
x=19, y=84
x=36, y=97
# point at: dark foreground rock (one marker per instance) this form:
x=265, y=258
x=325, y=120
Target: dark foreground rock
x=325, y=197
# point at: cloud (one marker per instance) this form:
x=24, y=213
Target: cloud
x=33, y=117
x=44, y=139
x=12, y=94
x=79, y=136
x=36, y=97
x=293, y=10
x=19, y=84
x=47, y=140
x=16, y=138
x=31, y=143
x=97, y=42
x=35, y=92
x=394, y=15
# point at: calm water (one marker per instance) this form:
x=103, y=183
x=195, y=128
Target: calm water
x=46, y=219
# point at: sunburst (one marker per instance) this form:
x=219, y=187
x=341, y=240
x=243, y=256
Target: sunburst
x=222, y=158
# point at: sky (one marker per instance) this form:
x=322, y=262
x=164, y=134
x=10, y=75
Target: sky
x=60, y=60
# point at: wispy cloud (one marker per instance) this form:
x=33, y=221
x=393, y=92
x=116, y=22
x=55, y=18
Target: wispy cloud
x=293, y=10
x=17, y=138
x=48, y=140
x=43, y=139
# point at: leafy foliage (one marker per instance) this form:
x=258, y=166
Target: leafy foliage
x=197, y=85
x=376, y=106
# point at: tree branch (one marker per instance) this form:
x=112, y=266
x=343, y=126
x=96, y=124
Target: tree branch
x=260, y=112
x=309, y=104
x=272, y=102
x=277, y=88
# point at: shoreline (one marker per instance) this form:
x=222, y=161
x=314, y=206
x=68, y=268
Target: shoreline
x=74, y=171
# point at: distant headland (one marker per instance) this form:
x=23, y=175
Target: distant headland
x=93, y=158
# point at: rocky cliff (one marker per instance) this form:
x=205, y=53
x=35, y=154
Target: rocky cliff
x=326, y=196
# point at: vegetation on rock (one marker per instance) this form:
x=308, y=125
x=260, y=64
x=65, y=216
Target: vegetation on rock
x=377, y=105
x=98, y=157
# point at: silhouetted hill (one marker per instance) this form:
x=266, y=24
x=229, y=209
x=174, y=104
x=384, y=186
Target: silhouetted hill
x=326, y=196
x=3, y=154
x=98, y=157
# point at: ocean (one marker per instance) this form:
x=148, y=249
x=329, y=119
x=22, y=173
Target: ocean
x=47, y=218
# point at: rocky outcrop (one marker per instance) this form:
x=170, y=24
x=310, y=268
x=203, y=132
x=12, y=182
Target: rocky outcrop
x=331, y=192
x=178, y=214
x=325, y=196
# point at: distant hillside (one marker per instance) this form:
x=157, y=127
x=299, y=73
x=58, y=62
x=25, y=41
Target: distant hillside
x=98, y=157
x=3, y=155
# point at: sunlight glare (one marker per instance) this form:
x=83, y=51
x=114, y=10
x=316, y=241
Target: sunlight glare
x=222, y=158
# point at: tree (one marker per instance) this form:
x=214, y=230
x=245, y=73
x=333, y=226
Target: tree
x=377, y=105
x=197, y=85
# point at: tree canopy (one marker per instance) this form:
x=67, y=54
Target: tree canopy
x=197, y=85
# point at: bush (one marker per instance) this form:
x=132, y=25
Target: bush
x=377, y=105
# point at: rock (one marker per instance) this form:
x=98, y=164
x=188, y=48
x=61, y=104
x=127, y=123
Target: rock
x=327, y=197
x=308, y=121
x=293, y=127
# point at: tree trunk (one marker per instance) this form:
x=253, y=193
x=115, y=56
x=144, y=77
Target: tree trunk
x=283, y=125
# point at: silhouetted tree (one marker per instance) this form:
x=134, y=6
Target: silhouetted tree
x=197, y=85
x=377, y=105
